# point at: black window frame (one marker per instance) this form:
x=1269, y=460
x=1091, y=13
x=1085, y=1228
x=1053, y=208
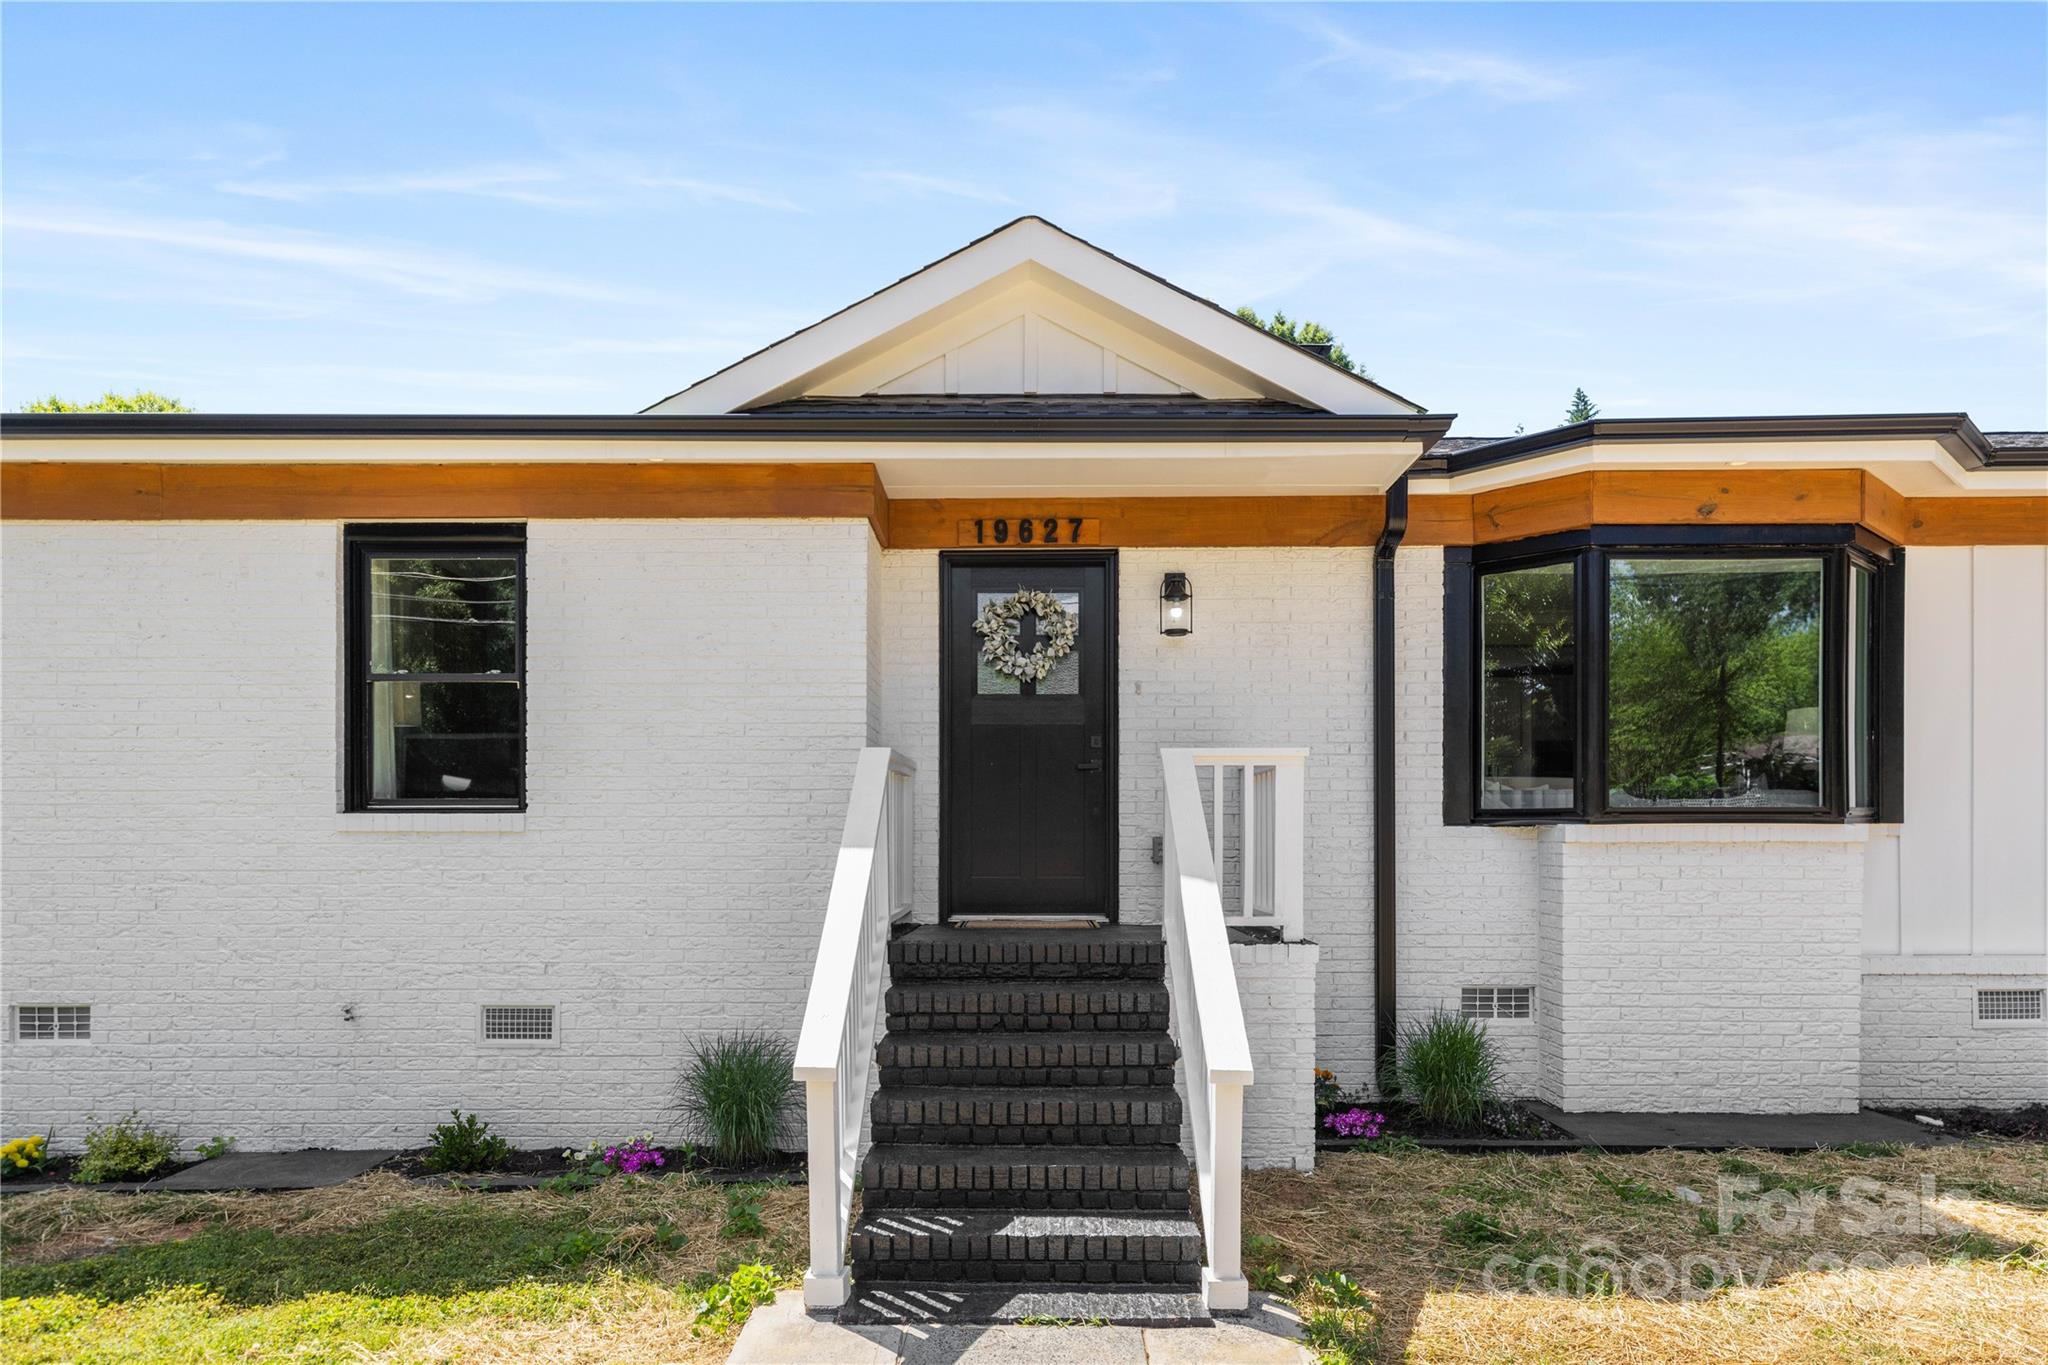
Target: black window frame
x=1838, y=547
x=420, y=541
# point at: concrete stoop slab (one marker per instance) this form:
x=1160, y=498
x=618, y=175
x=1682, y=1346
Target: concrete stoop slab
x=783, y=1333
x=1714, y=1132
x=309, y=1170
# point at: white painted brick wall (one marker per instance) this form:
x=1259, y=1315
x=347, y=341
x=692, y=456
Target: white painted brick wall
x=1276, y=985
x=172, y=855
x=1922, y=1045
x=1701, y=967
x=1467, y=894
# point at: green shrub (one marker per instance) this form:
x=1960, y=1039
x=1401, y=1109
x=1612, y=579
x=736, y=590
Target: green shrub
x=465, y=1145
x=1446, y=1067
x=735, y=1089
x=126, y=1149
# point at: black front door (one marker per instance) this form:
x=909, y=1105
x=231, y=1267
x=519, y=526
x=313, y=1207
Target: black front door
x=1027, y=784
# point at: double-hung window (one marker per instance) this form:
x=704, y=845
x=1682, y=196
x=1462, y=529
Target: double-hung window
x=436, y=667
x=1644, y=674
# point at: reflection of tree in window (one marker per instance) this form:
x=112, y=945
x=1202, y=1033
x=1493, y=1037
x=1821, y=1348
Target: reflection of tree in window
x=1530, y=658
x=1713, y=681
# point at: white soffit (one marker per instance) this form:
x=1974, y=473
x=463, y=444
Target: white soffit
x=1915, y=468
x=1106, y=302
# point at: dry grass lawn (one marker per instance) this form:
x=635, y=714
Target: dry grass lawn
x=1925, y=1255
x=1941, y=1256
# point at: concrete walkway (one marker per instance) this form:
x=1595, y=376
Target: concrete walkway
x=784, y=1334
x=309, y=1170
x=1714, y=1132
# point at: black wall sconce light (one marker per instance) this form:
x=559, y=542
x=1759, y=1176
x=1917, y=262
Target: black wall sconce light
x=1176, y=605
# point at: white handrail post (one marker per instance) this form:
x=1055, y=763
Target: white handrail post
x=826, y=1282
x=870, y=881
x=1290, y=821
x=1223, y=1283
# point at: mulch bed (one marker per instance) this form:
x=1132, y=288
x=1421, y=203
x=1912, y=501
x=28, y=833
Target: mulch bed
x=60, y=1169
x=1507, y=1121
x=546, y=1162
x=2029, y=1124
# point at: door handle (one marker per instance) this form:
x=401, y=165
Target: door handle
x=1094, y=766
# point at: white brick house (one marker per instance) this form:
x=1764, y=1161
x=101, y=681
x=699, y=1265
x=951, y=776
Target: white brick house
x=234, y=833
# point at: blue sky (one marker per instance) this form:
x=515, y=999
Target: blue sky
x=1688, y=210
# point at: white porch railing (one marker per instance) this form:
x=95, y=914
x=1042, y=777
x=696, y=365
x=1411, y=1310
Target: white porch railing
x=1257, y=809
x=1208, y=1021
x=870, y=891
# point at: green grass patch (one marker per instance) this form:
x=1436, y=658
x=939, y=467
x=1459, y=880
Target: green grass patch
x=1632, y=1191
x=452, y=1249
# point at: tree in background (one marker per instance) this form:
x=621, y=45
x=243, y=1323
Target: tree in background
x=1303, y=334
x=1583, y=409
x=142, y=400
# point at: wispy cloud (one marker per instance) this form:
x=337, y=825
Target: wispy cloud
x=518, y=184
x=916, y=183
x=1436, y=69
x=406, y=269
x=582, y=184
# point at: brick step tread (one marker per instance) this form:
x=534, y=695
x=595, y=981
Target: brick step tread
x=992, y=1304
x=1068, y=1058
x=1027, y=1007
x=1024, y=1117
x=1119, y=1178
x=1134, y=952
x=974, y=1245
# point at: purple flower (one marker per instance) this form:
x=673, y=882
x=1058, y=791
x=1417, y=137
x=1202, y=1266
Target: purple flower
x=1355, y=1123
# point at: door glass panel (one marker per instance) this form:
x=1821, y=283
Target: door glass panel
x=987, y=681
x=1065, y=678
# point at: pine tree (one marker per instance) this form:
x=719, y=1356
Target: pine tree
x=1304, y=334
x=1583, y=409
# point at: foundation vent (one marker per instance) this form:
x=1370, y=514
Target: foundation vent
x=519, y=1023
x=52, y=1023
x=1496, y=1002
x=2007, y=1006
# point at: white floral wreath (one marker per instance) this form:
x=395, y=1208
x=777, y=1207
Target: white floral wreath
x=997, y=626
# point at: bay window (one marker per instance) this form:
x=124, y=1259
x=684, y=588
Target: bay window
x=1645, y=674
x=436, y=668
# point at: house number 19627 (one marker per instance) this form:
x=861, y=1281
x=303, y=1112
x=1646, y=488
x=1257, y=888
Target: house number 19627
x=1030, y=530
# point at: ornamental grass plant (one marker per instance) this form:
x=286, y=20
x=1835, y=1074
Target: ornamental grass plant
x=735, y=1090
x=1446, y=1066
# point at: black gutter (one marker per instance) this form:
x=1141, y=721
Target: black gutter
x=1953, y=431
x=1307, y=426
x=1385, y=889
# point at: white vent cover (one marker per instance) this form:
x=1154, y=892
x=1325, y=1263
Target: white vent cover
x=2008, y=1006
x=52, y=1023
x=519, y=1023
x=1496, y=1002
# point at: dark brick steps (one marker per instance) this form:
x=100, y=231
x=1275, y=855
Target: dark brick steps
x=1091, y=1117
x=962, y=1006
x=937, y=1304
x=1037, y=1248
x=1027, y=1159
x=1027, y=1059
x=1137, y=954
x=1019, y=1178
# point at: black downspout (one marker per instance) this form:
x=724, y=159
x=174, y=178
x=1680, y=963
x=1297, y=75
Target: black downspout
x=1384, y=889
